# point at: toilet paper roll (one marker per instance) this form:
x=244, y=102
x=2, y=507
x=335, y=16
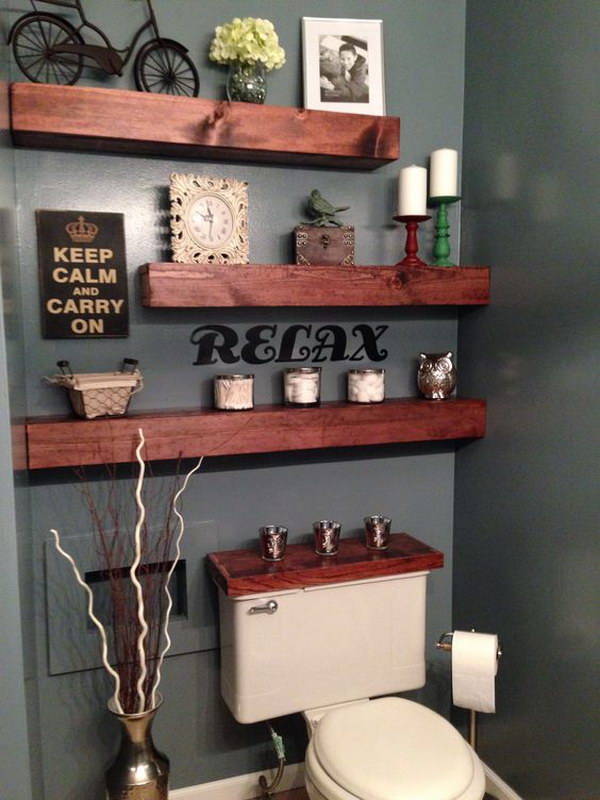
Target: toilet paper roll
x=474, y=668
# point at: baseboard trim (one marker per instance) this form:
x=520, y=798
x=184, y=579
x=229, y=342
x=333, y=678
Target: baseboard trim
x=495, y=786
x=245, y=787
x=241, y=787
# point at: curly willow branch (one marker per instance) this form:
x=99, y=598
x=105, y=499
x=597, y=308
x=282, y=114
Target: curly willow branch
x=170, y=573
x=133, y=572
x=141, y=612
x=94, y=618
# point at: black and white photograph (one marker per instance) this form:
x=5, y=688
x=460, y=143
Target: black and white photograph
x=343, y=65
x=343, y=69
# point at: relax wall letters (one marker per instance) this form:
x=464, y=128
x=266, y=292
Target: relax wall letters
x=294, y=343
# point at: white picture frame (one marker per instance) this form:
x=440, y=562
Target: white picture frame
x=343, y=65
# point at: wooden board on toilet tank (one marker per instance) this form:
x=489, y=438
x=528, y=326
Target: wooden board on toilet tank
x=243, y=572
x=338, y=633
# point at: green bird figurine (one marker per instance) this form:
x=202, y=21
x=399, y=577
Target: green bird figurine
x=321, y=212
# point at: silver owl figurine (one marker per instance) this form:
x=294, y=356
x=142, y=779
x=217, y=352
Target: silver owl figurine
x=436, y=377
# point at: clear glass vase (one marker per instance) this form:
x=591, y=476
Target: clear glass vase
x=246, y=83
x=139, y=771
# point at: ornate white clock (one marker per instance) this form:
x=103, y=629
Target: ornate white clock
x=209, y=220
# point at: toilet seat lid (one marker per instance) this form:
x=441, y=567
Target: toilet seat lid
x=393, y=749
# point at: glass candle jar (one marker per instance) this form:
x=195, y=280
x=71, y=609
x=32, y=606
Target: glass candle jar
x=377, y=532
x=273, y=541
x=234, y=392
x=327, y=537
x=302, y=386
x=366, y=385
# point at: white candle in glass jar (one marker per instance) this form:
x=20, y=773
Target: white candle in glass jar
x=412, y=192
x=302, y=386
x=366, y=385
x=443, y=173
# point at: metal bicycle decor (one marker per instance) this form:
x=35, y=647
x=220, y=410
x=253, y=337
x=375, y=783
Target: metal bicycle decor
x=50, y=49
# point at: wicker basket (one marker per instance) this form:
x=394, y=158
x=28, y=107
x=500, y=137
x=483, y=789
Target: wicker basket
x=100, y=394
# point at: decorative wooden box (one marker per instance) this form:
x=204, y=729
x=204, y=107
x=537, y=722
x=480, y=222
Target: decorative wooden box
x=324, y=245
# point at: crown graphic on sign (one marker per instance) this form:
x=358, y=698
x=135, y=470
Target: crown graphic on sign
x=81, y=231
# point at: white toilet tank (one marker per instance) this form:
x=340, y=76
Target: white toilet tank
x=322, y=645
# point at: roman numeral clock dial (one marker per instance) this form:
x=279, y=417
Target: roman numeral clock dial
x=209, y=220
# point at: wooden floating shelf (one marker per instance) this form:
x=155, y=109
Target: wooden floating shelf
x=188, y=433
x=120, y=121
x=243, y=572
x=169, y=285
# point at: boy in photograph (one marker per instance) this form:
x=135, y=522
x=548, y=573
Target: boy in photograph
x=351, y=85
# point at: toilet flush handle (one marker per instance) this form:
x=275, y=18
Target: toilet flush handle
x=269, y=608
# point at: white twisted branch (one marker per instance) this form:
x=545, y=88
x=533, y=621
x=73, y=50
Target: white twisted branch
x=94, y=618
x=133, y=573
x=141, y=614
x=170, y=573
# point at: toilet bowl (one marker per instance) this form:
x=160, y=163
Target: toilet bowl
x=390, y=749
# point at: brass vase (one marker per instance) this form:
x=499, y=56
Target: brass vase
x=140, y=771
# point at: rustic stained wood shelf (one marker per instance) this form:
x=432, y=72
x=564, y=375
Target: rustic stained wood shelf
x=188, y=433
x=243, y=572
x=109, y=120
x=115, y=120
x=169, y=285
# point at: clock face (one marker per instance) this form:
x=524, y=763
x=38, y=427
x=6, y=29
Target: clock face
x=210, y=221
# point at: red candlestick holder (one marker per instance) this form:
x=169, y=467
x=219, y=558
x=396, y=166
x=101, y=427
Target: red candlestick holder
x=411, y=259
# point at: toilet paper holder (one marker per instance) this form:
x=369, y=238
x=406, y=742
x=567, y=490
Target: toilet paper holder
x=445, y=643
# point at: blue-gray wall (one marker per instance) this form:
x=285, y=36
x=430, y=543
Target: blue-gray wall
x=526, y=527
x=523, y=523
x=16, y=658
x=424, y=50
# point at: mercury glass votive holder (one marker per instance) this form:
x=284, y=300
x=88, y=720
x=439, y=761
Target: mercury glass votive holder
x=327, y=537
x=377, y=532
x=273, y=541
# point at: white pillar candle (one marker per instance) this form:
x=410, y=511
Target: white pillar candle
x=412, y=192
x=443, y=173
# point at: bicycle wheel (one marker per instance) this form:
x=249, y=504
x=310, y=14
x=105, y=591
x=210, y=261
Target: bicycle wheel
x=36, y=47
x=166, y=69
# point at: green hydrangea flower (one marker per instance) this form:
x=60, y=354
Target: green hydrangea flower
x=248, y=41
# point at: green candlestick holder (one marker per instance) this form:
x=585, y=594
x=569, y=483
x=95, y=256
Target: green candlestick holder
x=441, y=249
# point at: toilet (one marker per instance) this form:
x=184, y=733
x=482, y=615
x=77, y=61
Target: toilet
x=336, y=653
x=390, y=749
